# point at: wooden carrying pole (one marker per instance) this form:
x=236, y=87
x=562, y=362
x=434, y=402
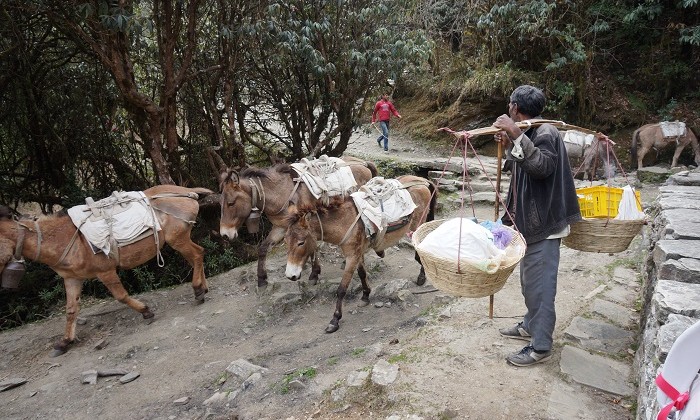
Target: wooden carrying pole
x=499, y=164
x=530, y=123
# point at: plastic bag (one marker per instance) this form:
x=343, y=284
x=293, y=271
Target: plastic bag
x=501, y=235
x=627, y=209
x=476, y=247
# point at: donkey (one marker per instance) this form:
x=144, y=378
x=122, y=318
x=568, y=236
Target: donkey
x=650, y=136
x=271, y=190
x=55, y=241
x=587, y=157
x=339, y=224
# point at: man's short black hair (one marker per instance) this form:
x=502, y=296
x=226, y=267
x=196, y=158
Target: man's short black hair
x=530, y=100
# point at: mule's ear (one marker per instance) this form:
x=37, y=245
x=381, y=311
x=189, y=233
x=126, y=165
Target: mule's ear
x=223, y=176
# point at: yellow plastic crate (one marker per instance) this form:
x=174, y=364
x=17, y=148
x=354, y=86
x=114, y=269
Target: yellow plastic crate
x=601, y=201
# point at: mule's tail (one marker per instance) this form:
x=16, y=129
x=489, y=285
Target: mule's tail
x=372, y=168
x=433, y=201
x=695, y=145
x=633, y=149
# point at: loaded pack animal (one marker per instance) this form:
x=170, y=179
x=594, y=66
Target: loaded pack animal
x=251, y=191
x=651, y=136
x=340, y=224
x=587, y=156
x=56, y=241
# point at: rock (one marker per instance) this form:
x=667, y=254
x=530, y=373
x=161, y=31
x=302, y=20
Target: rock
x=14, y=382
x=216, y=399
x=89, y=377
x=181, y=401
x=599, y=372
x=129, y=377
x=112, y=372
x=384, y=373
x=243, y=368
x=251, y=380
x=101, y=344
x=597, y=335
x=445, y=314
x=357, y=378
x=338, y=394
x=296, y=385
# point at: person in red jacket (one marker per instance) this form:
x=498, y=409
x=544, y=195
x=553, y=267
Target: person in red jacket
x=382, y=113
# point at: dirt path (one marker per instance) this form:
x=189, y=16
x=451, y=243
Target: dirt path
x=449, y=354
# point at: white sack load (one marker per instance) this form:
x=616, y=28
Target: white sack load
x=476, y=247
x=672, y=128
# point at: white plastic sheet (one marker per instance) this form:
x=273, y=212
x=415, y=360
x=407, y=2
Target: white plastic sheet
x=627, y=209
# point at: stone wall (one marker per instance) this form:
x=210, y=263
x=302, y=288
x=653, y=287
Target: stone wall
x=672, y=281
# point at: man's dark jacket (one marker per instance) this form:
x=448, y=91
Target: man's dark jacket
x=542, y=193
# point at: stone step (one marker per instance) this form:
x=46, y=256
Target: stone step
x=595, y=371
x=593, y=334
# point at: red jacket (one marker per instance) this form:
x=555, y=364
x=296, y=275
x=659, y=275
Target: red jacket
x=383, y=110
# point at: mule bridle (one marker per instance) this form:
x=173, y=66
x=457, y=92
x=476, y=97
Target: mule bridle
x=21, y=234
x=257, y=191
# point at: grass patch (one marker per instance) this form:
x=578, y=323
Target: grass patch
x=357, y=352
x=401, y=357
x=301, y=374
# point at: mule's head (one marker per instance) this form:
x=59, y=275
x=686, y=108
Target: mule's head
x=301, y=244
x=236, y=203
x=7, y=245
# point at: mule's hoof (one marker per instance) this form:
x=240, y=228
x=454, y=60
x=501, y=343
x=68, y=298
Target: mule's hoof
x=199, y=294
x=380, y=254
x=313, y=281
x=420, y=280
x=57, y=352
x=147, y=314
x=262, y=284
x=331, y=328
x=362, y=303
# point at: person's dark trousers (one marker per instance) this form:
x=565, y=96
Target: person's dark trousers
x=538, y=280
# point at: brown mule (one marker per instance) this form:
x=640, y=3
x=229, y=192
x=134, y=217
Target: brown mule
x=338, y=224
x=650, y=136
x=56, y=242
x=271, y=191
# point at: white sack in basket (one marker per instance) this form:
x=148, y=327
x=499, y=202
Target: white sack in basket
x=477, y=247
x=627, y=210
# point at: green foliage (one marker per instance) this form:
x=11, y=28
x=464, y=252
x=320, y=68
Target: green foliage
x=494, y=80
x=391, y=168
x=218, y=259
x=666, y=112
x=332, y=55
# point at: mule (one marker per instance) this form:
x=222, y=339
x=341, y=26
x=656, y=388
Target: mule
x=339, y=224
x=55, y=241
x=650, y=136
x=586, y=158
x=271, y=190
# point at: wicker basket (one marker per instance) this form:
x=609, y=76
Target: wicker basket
x=470, y=281
x=603, y=235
